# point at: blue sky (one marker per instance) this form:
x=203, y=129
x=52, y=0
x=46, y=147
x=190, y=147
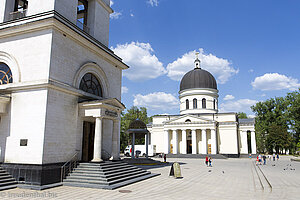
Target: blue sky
x=250, y=46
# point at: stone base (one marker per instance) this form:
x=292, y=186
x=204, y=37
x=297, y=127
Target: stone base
x=34, y=174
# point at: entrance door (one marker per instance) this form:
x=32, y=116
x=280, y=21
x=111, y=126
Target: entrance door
x=189, y=146
x=209, y=148
x=88, y=141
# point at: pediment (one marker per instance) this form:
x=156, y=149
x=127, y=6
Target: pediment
x=189, y=118
x=113, y=103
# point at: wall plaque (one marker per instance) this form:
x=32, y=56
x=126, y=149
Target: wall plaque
x=111, y=113
x=23, y=142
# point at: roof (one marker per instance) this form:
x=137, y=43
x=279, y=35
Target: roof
x=198, y=78
x=247, y=121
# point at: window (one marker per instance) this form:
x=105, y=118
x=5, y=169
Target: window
x=89, y=83
x=194, y=103
x=188, y=120
x=5, y=74
x=82, y=13
x=203, y=103
x=187, y=106
x=20, y=5
x=214, y=104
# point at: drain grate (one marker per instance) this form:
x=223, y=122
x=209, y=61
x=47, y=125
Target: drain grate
x=125, y=191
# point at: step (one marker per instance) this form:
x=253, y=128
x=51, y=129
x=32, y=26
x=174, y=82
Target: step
x=129, y=177
x=4, y=174
x=102, y=171
x=7, y=179
x=100, y=165
x=100, y=182
x=8, y=183
x=7, y=187
x=104, y=178
x=103, y=175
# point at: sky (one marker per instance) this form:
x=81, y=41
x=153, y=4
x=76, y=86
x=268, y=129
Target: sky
x=251, y=47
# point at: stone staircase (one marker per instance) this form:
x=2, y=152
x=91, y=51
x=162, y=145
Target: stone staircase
x=105, y=175
x=6, y=180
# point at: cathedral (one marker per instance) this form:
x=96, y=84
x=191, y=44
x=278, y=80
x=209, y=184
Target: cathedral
x=200, y=128
x=60, y=87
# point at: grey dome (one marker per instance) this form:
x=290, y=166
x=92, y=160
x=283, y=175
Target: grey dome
x=198, y=78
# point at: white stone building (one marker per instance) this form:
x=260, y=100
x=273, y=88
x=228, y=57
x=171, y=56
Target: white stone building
x=60, y=86
x=200, y=128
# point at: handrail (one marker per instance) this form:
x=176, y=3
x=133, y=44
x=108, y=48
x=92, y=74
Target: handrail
x=18, y=14
x=71, y=166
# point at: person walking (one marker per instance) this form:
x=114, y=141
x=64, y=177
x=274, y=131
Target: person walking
x=206, y=161
x=264, y=159
x=165, y=157
x=277, y=156
x=210, y=161
x=273, y=156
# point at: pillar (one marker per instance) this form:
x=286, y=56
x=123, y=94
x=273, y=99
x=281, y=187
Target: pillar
x=132, y=145
x=253, y=142
x=166, y=142
x=98, y=140
x=184, y=147
x=147, y=144
x=116, y=140
x=244, y=142
x=213, y=141
x=175, y=142
x=204, y=142
x=194, y=142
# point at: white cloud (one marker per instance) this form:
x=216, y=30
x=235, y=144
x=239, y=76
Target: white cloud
x=124, y=90
x=275, y=81
x=131, y=15
x=153, y=2
x=241, y=105
x=156, y=101
x=228, y=97
x=251, y=70
x=144, y=65
x=115, y=15
x=221, y=68
x=111, y=3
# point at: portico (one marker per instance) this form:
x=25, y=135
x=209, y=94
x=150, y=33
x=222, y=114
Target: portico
x=109, y=111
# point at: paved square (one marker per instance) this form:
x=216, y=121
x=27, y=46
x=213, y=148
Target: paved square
x=227, y=179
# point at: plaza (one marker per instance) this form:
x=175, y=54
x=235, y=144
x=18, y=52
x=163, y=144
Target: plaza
x=227, y=179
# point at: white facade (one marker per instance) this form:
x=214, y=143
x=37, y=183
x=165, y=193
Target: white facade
x=44, y=109
x=200, y=128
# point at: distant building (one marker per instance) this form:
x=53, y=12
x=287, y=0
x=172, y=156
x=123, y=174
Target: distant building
x=200, y=128
x=60, y=86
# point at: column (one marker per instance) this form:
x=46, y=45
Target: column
x=194, y=142
x=98, y=140
x=132, y=145
x=175, y=142
x=166, y=142
x=204, y=142
x=213, y=141
x=147, y=144
x=183, y=151
x=253, y=142
x=116, y=140
x=244, y=142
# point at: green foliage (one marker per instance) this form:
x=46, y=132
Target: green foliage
x=126, y=118
x=242, y=115
x=277, y=123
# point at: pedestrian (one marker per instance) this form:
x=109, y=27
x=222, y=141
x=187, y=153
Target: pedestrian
x=206, y=161
x=165, y=158
x=264, y=159
x=273, y=156
x=250, y=156
x=277, y=157
x=210, y=160
x=259, y=159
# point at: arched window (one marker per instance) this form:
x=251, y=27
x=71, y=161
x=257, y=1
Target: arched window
x=5, y=74
x=188, y=120
x=89, y=83
x=214, y=104
x=187, y=106
x=195, y=103
x=203, y=103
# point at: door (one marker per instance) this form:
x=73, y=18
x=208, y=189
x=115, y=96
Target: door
x=209, y=148
x=88, y=141
x=189, y=146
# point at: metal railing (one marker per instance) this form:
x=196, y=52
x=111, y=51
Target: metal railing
x=17, y=14
x=82, y=26
x=69, y=166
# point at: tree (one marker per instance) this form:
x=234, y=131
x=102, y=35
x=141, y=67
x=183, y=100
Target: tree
x=242, y=115
x=126, y=118
x=270, y=113
x=293, y=113
x=278, y=138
